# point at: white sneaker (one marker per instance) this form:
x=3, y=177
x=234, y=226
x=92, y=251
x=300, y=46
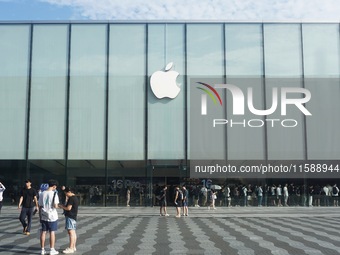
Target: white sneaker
x=166, y=215
x=68, y=250
x=43, y=252
x=53, y=252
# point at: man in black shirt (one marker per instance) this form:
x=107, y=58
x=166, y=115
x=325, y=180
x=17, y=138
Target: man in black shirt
x=71, y=212
x=28, y=199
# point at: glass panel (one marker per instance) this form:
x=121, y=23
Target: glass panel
x=127, y=183
x=126, y=138
x=12, y=176
x=244, y=63
x=204, y=60
x=14, y=62
x=282, y=45
x=283, y=68
x=166, y=116
x=321, y=50
x=43, y=170
x=244, y=49
x=48, y=92
x=87, y=92
x=323, y=126
x=321, y=62
x=88, y=179
x=205, y=53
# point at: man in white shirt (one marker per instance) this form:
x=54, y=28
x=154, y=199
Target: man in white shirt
x=285, y=195
x=48, y=202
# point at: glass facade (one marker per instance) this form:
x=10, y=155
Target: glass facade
x=76, y=103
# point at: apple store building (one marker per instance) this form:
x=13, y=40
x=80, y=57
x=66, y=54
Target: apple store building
x=108, y=107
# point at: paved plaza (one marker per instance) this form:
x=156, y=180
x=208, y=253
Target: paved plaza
x=140, y=230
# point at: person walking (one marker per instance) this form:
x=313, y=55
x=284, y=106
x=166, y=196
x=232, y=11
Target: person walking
x=48, y=202
x=28, y=199
x=2, y=189
x=71, y=212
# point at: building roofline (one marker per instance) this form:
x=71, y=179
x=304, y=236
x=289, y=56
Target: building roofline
x=167, y=22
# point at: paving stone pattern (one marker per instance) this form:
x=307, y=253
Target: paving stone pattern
x=215, y=234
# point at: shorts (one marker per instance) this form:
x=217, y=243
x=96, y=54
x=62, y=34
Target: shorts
x=49, y=226
x=178, y=204
x=185, y=203
x=163, y=203
x=70, y=223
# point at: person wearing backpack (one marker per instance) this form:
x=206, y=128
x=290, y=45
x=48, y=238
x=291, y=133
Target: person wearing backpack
x=335, y=195
x=178, y=201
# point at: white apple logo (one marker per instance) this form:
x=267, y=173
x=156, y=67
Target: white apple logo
x=163, y=84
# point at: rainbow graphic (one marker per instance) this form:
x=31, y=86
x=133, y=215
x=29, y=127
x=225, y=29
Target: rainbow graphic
x=209, y=90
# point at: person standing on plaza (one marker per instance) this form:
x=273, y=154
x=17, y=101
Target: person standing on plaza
x=185, y=201
x=204, y=195
x=128, y=196
x=162, y=202
x=279, y=195
x=335, y=195
x=245, y=195
x=178, y=201
x=28, y=199
x=196, y=196
x=48, y=202
x=259, y=196
x=325, y=195
x=71, y=212
x=285, y=194
x=212, y=199
x=2, y=189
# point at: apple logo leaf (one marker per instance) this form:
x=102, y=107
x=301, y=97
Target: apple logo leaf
x=169, y=66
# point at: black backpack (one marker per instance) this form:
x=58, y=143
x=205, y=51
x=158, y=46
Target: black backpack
x=335, y=190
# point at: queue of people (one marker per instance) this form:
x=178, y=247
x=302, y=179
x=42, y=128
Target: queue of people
x=264, y=195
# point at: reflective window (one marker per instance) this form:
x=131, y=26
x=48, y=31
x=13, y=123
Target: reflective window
x=283, y=68
x=166, y=116
x=244, y=49
x=48, y=92
x=14, y=63
x=321, y=50
x=126, y=135
x=244, y=61
x=87, y=92
x=205, y=60
x=321, y=62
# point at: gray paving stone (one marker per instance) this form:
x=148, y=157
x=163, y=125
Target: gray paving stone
x=140, y=230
